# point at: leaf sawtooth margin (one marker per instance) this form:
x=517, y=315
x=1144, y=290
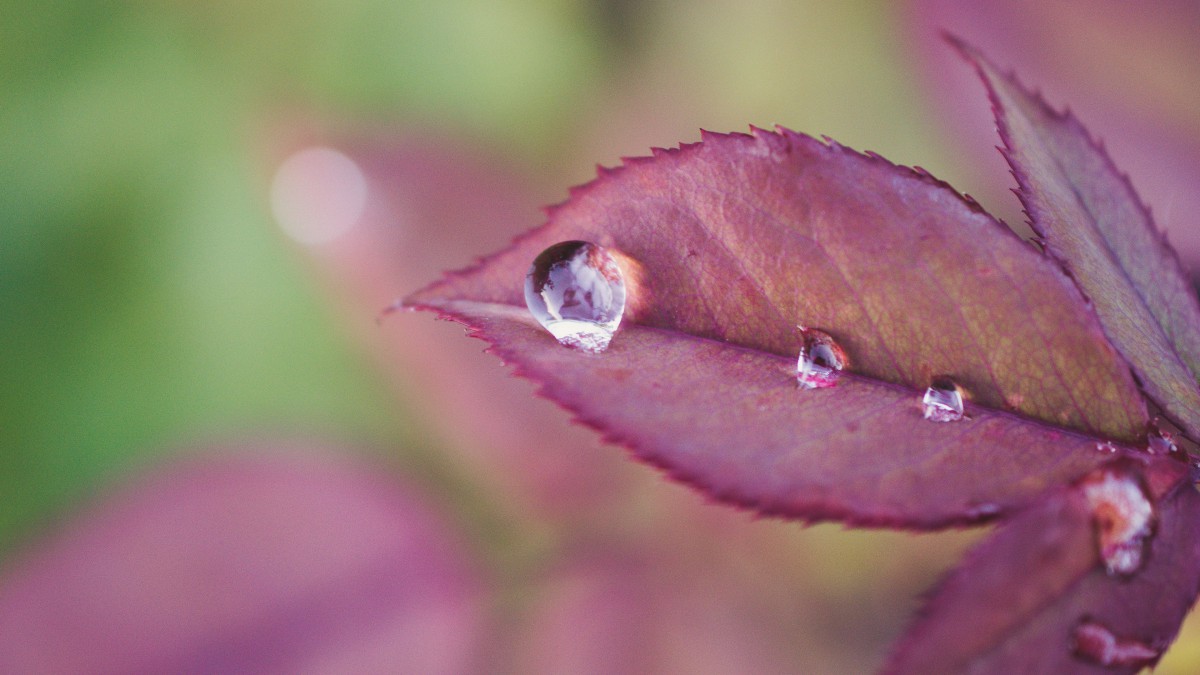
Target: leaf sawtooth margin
x=1093, y=222
x=738, y=239
x=731, y=422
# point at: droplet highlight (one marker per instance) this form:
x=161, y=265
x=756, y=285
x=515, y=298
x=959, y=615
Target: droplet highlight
x=1094, y=642
x=576, y=291
x=943, y=401
x=1123, y=517
x=821, y=360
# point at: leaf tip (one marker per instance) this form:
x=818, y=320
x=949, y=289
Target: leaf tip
x=398, y=305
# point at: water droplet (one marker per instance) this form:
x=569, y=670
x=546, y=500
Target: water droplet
x=943, y=401
x=1123, y=517
x=1107, y=447
x=1096, y=643
x=576, y=291
x=1159, y=442
x=821, y=360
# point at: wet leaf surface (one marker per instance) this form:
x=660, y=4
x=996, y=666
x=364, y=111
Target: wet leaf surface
x=732, y=422
x=1095, y=225
x=734, y=242
x=1018, y=601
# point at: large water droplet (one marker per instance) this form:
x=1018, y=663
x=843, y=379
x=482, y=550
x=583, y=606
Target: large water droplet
x=1096, y=643
x=943, y=401
x=576, y=291
x=1123, y=517
x=821, y=360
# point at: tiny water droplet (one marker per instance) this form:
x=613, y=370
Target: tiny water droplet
x=1123, y=517
x=1159, y=442
x=943, y=401
x=1096, y=643
x=1107, y=447
x=821, y=360
x=576, y=291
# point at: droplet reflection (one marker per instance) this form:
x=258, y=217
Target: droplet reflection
x=821, y=360
x=576, y=291
x=943, y=401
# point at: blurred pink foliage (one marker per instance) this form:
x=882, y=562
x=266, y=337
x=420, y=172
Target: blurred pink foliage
x=1128, y=69
x=271, y=556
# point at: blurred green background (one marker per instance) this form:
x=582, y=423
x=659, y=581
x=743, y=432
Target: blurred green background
x=148, y=297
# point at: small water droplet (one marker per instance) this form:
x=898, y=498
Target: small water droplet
x=1159, y=442
x=1123, y=518
x=576, y=291
x=821, y=360
x=1096, y=643
x=943, y=401
x=1107, y=447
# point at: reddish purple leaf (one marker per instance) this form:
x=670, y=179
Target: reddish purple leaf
x=1096, y=227
x=1130, y=65
x=291, y=559
x=732, y=422
x=1036, y=597
x=738, y=240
